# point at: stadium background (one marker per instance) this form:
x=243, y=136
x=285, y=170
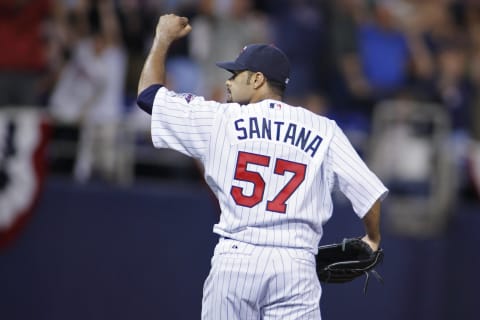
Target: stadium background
x=134, y=240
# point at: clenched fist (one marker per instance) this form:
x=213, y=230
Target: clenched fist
x=171, y=27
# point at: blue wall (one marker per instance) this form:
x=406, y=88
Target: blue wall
x=99, y=252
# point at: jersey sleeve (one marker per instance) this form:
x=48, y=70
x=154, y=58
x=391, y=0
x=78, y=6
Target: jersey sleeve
x=355, y=180
x=182, y=122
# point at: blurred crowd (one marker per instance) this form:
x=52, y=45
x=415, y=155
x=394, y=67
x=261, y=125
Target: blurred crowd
x=81, y=59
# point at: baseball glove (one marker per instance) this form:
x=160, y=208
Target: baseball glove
x=348, y=260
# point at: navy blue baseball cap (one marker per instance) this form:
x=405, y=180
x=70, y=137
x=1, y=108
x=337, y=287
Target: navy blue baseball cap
x=264, y=58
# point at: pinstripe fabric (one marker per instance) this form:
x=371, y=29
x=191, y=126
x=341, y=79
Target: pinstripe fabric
x=273, y=168
x=212, y=132
x=260, y=282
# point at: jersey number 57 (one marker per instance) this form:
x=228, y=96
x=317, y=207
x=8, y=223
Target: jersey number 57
x=280, y=167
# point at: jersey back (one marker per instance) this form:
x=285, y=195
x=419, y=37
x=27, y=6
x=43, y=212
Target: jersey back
x=272, y=166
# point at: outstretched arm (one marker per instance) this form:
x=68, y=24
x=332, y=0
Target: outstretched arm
x=372, y=226
x=169, y=28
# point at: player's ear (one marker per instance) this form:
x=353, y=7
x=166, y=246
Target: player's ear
x=259, y=80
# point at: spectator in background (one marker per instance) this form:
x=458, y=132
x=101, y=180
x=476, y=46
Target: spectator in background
x=58, y=43
x=473, y=23
x=453, y=90
x=135, y=20
x=342, y=44
x=376, y=51
x=472, y=19
x=90, y=90
x=298, y=29
x=451, y=86
x=347, y=82
x=385, y=55
x=23, y=56
x=443, y=29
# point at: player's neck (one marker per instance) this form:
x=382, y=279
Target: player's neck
x=265, y=95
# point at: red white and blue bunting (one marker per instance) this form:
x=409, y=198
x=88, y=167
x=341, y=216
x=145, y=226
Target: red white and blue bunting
x=23, y=141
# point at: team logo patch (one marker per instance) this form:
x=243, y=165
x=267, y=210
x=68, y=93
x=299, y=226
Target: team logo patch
x=187, y=96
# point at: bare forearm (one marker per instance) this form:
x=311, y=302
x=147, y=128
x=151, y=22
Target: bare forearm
x=169, y=28
x=371, y=222
x=153, y=71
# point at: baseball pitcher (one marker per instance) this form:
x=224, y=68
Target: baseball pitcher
x=272, y=167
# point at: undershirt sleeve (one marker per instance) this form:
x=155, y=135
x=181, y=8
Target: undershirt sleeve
x=146, y=97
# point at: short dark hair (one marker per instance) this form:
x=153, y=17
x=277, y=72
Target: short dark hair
x=277, y=87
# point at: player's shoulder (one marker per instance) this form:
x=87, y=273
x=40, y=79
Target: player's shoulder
x=185, y=99
x=233, y=109
x=316, y=118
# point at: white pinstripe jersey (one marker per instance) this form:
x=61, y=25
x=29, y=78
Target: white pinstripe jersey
x=272, y=166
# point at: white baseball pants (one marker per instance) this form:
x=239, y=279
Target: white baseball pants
x=248, y=282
